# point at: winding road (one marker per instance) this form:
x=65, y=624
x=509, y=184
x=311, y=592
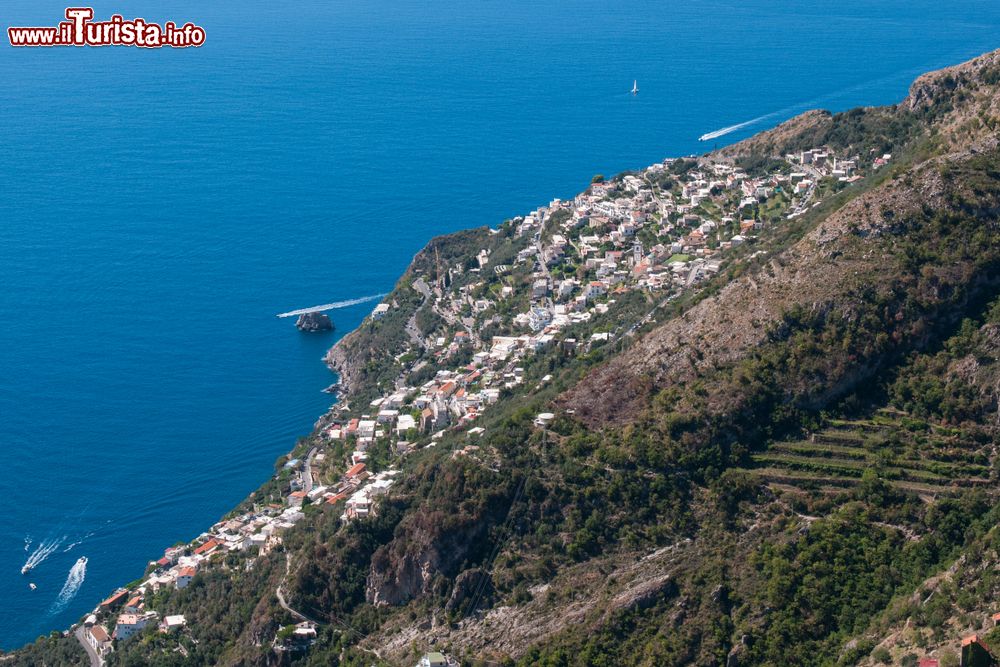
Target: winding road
x=95, y=660
x=307, y=475
x=281, y=596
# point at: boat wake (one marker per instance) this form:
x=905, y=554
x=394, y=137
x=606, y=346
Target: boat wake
x=80, y=541
x=74, y=580
x=45, y=549
x=715, y=134
x=838, y=95
x=332, y=306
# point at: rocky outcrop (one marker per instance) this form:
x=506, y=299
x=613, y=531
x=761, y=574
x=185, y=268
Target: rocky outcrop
x=348, y=367
x=618, y=584
x=466, y=585
x=427, y=546
x=314, y=322
x=932, y=88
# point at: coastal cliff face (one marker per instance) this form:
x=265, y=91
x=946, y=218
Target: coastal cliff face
x=366, y=358
x=963, y=102
x=789, y=461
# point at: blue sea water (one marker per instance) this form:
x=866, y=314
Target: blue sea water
x=158, y=208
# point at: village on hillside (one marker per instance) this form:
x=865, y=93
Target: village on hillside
x=661, y=231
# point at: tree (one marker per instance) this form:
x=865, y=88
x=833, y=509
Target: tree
x=949, y=659
x=882, y=655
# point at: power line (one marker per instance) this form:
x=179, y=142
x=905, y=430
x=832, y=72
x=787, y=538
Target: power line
x=503, y=536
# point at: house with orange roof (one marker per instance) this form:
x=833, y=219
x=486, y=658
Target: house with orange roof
x=184, y=577
x=115, y=600
x=207, y=548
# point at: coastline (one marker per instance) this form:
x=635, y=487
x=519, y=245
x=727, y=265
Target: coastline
x=350, y=369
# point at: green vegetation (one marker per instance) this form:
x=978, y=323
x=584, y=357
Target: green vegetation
x=789, y=500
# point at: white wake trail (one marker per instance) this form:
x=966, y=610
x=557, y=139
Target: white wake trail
x=331, y=306
x=74, y=580
x=43, y=551
x=817, y=102
x=715, y=134
x=80, y=541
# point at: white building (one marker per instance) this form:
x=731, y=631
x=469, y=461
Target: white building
x=404, y=424
x=184, y=577
x=131, y=624
x=171, y=623
x=98, y=638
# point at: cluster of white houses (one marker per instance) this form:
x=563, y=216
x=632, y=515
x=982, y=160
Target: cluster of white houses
x=125, y=609
x=666, y=228
x=708, y=209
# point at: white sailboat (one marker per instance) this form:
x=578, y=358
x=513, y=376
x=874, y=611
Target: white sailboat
x=635, y=87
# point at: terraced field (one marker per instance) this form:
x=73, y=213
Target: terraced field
x=913, y=455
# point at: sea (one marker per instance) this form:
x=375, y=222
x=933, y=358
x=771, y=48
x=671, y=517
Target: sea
x=158, y=208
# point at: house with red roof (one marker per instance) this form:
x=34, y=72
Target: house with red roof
x=207, y=548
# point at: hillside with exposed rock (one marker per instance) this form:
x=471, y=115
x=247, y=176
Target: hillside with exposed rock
x=734, y=410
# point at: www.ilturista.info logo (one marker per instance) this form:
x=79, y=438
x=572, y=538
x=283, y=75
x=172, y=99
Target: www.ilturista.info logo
x=81, y=30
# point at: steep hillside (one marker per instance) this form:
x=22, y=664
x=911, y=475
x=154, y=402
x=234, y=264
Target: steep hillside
x=736, y=410
x=861, y=252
